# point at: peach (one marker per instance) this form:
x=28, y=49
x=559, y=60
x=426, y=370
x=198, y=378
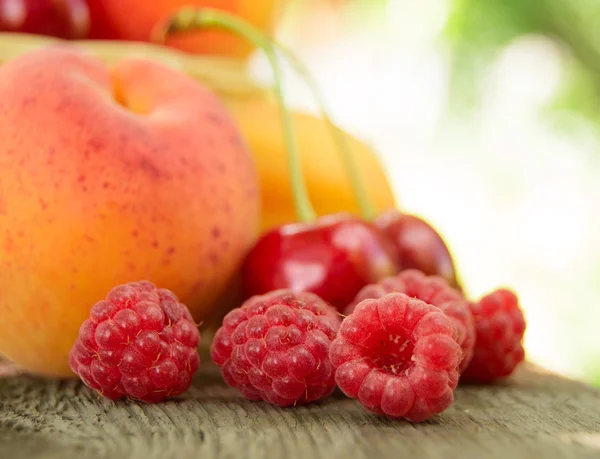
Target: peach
x=135, y=19
x=108, y=177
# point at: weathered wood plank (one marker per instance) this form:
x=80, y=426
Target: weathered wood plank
x=533, y=415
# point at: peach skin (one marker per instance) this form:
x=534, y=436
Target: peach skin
x=108, y=177
x=135, y=20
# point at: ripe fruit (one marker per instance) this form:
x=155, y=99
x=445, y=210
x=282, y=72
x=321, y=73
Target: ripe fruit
x=328, y=185
x=135, y=20
x=333, y=257
x=275, y=348
x=435, y=290
x=398, y=356
x=419, y=246
x=500, y=328
x=460, y=315
x=108, y=177
x=432, y=290
x=59, y=18
x=100, y=26
x=339, y=175
x=140, y=342
x=376, y=290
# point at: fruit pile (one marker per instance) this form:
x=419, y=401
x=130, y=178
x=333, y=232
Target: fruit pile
x=115, y=168
x=134, y=20
x=145, y=175
x=401, y=350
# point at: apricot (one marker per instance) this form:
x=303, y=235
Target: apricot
x=135, y=19
x=110, y=176
x=327, y=181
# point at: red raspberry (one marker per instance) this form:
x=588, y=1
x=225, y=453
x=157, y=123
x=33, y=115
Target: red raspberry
x=379, y=290
x=458, y=311
x=432, y=290
x=275, y=348
x=140, y=342
x=500, y=326
x=398, y=356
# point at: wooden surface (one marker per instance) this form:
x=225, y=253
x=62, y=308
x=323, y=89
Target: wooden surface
x=532, y=415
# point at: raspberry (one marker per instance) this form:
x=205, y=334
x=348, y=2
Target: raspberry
x=378, y=290
x=458, y=311
x=139, y=342
x=275, y=348
x=500, y=326
x=432, y=290
x=398, y=356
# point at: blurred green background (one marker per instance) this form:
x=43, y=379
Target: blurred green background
x=487, y=116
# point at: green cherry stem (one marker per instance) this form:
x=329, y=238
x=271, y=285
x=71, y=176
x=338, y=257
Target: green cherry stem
x=194, y=18
x=366, y=208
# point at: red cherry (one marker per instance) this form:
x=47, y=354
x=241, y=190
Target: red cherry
x=333, y=257
x=58, y=18
x=419, y=246
x=101, y=27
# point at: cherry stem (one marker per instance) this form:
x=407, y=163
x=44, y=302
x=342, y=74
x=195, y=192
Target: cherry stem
x=193, y=18
x=360, y=192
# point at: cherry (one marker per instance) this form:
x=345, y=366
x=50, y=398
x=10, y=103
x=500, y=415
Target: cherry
x=100, y=26
x=419, y=246
x=58, y=18
x=416, y=243
x=334, y=257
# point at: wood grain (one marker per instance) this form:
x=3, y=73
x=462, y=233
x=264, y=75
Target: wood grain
x=532, y=415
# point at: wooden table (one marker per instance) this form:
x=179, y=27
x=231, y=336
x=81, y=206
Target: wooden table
x=532, y=415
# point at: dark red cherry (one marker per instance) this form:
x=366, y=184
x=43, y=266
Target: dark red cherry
x=101, y=27
x=419, y=246
x=334, y=257
x=58, y=18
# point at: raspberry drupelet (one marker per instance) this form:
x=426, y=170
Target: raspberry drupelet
x=275, y=348
x=140, y=342
x=432, y=290
x=398, y=356
x=500, y=327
